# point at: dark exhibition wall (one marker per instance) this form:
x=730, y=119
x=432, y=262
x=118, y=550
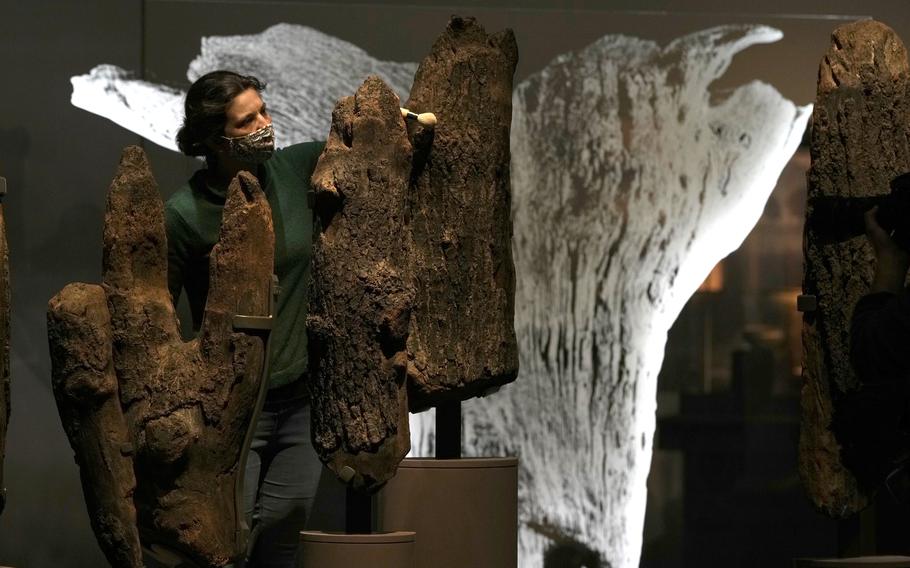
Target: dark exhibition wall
x=58, y=161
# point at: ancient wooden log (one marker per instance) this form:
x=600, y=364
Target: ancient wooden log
x=462, y=338
x=4, y=341
x=87, y=394
x=859, y=143
x=362, y=292
x=135, y=398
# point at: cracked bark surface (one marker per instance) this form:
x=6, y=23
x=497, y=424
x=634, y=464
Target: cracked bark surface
x=859, y=143
x=157, y=424
x=362, y=290
x=462, y=341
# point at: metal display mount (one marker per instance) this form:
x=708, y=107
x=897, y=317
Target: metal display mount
x=260, y=326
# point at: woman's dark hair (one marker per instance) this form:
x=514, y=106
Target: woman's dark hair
x=206, y=103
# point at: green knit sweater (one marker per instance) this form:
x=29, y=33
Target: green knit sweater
x=193, y=218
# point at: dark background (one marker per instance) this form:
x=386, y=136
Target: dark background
x=58, y=161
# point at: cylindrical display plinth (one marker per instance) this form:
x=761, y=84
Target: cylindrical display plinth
x=466, y=510
x=336, y=550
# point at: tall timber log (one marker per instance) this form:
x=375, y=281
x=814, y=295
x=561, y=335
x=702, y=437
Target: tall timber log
x=159, y=425
x=859, y=143
x=362, y=290
x=88, y=397
x=462, y=340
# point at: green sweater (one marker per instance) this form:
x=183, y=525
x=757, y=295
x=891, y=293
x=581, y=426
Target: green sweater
x=193, y=218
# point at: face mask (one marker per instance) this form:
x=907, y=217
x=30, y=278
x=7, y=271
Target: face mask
x=253, y=148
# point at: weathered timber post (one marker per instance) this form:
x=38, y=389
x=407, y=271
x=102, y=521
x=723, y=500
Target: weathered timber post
x=859, y=143
x=158, y=425
x=362, y=289
x=462, y=337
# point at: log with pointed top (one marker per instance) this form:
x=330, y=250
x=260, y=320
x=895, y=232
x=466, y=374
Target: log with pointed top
x=859, y=143
x=134, y=397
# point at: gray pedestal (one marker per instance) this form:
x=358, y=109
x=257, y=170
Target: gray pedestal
x=466, y=510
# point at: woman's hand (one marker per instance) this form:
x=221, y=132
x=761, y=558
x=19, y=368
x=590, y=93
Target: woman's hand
x=892, y=261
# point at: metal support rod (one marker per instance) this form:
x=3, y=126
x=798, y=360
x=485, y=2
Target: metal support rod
x=448, y=430
x=358, y=512
x=260, y=326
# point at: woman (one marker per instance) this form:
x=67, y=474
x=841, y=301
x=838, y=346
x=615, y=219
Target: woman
x=227, y=122
x=875, y=417
x=872, y=421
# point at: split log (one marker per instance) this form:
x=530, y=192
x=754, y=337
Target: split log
x=135, y=398
x=462, y=338
x=362, y=292
x=859, y=143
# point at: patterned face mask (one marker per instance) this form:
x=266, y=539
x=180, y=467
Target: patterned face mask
x=253, y=148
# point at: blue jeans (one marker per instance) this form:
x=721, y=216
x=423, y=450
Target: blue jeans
x=282, y=474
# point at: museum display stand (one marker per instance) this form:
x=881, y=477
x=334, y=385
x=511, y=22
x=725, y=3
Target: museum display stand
x=358, y=545
x=465, y=509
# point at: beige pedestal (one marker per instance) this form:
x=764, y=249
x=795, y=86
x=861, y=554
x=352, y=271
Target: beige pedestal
x=465, y=510
x=337, y=550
